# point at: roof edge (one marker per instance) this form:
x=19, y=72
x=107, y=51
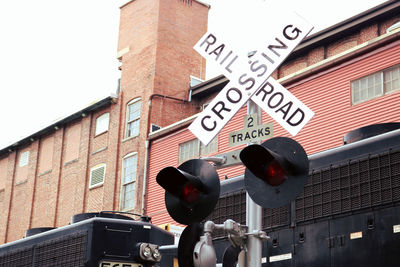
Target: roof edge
x=348, y=24
x=203, y=3
x=198, y=1
x=171, y=128
x=60, y=121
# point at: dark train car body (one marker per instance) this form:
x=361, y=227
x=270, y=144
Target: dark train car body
x=347, y=215
x=97, y=241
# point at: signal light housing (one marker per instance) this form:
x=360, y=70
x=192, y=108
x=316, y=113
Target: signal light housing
x=191, y=190
x=276, y=171
x=187, y=243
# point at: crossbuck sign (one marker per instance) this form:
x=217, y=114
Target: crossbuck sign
x=250, y=78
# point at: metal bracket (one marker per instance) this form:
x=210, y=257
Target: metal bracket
x=225, y=160
x=260, y=234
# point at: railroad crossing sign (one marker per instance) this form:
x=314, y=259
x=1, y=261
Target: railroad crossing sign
x=250, y=78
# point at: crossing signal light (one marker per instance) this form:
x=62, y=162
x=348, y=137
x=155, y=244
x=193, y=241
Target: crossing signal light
x=276, y=171
x=191, y=190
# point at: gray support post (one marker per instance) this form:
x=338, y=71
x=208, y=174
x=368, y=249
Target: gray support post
x=253, y=213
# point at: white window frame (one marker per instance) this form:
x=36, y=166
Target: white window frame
x=201, y=150
x=136, y=119
x=124, y=184
x=362, y=85
x=391, y=70
x=102, y=123
x=98, y=166
x=24, y=159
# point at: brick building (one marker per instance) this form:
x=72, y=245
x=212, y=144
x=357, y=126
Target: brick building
x=348, y=74
x=95, y=159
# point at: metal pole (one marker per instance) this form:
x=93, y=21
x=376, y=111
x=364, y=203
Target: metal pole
x=253, y=212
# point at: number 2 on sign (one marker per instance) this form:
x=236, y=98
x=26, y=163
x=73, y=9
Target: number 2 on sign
x=250, y=122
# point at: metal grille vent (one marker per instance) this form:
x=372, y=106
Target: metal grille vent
x=356, y=185
x=276, y=217
x=97, y=175
x=21, y=258
x=66, y=251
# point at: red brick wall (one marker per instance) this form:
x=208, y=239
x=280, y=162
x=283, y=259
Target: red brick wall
x=55, y=183
x=72, y=142
x=180, y=27
x=46, y=190
x=46, y=154
x=160, y=36
x=22, y=194
x=3, y=172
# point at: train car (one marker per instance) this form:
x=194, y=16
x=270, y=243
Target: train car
x=347, y=215
x=92, y=239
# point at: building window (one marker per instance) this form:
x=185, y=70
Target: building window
x=24, y=159
x=392, y=79
x=194, y=149
x=375, y=85
x=133, y=118
x=102, y=123
x=129, y=166
x=97, y=175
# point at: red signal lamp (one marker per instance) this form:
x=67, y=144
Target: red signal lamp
x=275, y=174
x=276, y=171
x=191, y=190
x=190, y=194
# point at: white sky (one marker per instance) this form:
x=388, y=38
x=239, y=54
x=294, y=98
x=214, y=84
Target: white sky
x=58, y=56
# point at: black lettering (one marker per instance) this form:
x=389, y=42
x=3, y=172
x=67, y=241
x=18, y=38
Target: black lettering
x=273, y=47
x=247, y=136
x=126, y=265
x=225, y=58
x=254, y=133
x=285, y=109
x=230, y=63
x=217, y=51
x=279, y=100
x=240, y=136
x=218, y=112
x=254, y=68
x=262, y=90
x=251, y=80
x=228, y=96
x=233, y=138
x=267, y=131
x=104, y=264
x=116, y=265
x=260, y=132
x=295, y=30
x=293, y=115
x=250, y=124
x=211, y=42
x=267, y=58
x=205, y=127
